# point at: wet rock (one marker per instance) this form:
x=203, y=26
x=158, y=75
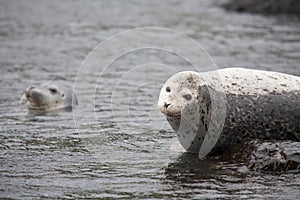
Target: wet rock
x=264, y=7
x=275, y=157
x=271, y=156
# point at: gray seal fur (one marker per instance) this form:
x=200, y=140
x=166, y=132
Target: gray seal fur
x=224, y=107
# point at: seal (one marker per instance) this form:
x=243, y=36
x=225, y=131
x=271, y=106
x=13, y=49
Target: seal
x=49, y=97
x=216, y=109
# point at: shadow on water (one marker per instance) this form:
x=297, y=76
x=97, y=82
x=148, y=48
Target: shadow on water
x=188, y=168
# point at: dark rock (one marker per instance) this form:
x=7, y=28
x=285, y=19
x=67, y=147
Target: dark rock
x=265, y=6
x=275, y=157
x=271, y=156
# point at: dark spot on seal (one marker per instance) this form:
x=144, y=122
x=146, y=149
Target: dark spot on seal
x=206, y=128
x=207, y=107
x=202, y=120
x=168, y=89
x=284, y=85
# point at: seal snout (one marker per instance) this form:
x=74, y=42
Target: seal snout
x=166, y=105
x=36, y=97
x=28, y=91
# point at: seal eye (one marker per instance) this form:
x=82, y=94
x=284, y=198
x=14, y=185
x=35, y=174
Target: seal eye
x=53, y=90
x=187, y=96
x=168, y=89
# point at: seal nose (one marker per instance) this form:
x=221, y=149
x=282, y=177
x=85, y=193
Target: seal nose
x=166, y=105
x=27, y=92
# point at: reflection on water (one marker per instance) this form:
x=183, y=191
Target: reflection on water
x=116, y=144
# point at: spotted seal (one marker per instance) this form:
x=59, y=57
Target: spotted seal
x=219, y=108
x=49, y=97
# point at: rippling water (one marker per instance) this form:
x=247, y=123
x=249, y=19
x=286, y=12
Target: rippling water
x=116, y=144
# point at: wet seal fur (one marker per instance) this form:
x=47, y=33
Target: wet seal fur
x=241, y=104
x=49, y=97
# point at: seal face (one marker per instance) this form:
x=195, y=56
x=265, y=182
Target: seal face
x=187, y=111
x=216, y=109
x=179, y=92
x=49, y=97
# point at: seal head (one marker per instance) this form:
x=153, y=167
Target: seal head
x=49, y=97
x=179, y=92
x=185, y=101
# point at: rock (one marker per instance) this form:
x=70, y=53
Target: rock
x=265, y=6
x=275, y=157
x=271, y=156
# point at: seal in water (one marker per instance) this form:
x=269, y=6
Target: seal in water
x=216, y=109
x=49, y=97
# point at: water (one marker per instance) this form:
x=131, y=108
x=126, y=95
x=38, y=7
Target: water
x=116, y=144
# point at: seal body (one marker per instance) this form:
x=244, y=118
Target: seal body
x=216, y=109
x=49, y=97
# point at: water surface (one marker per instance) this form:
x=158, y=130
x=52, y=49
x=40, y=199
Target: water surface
x=116, y=144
